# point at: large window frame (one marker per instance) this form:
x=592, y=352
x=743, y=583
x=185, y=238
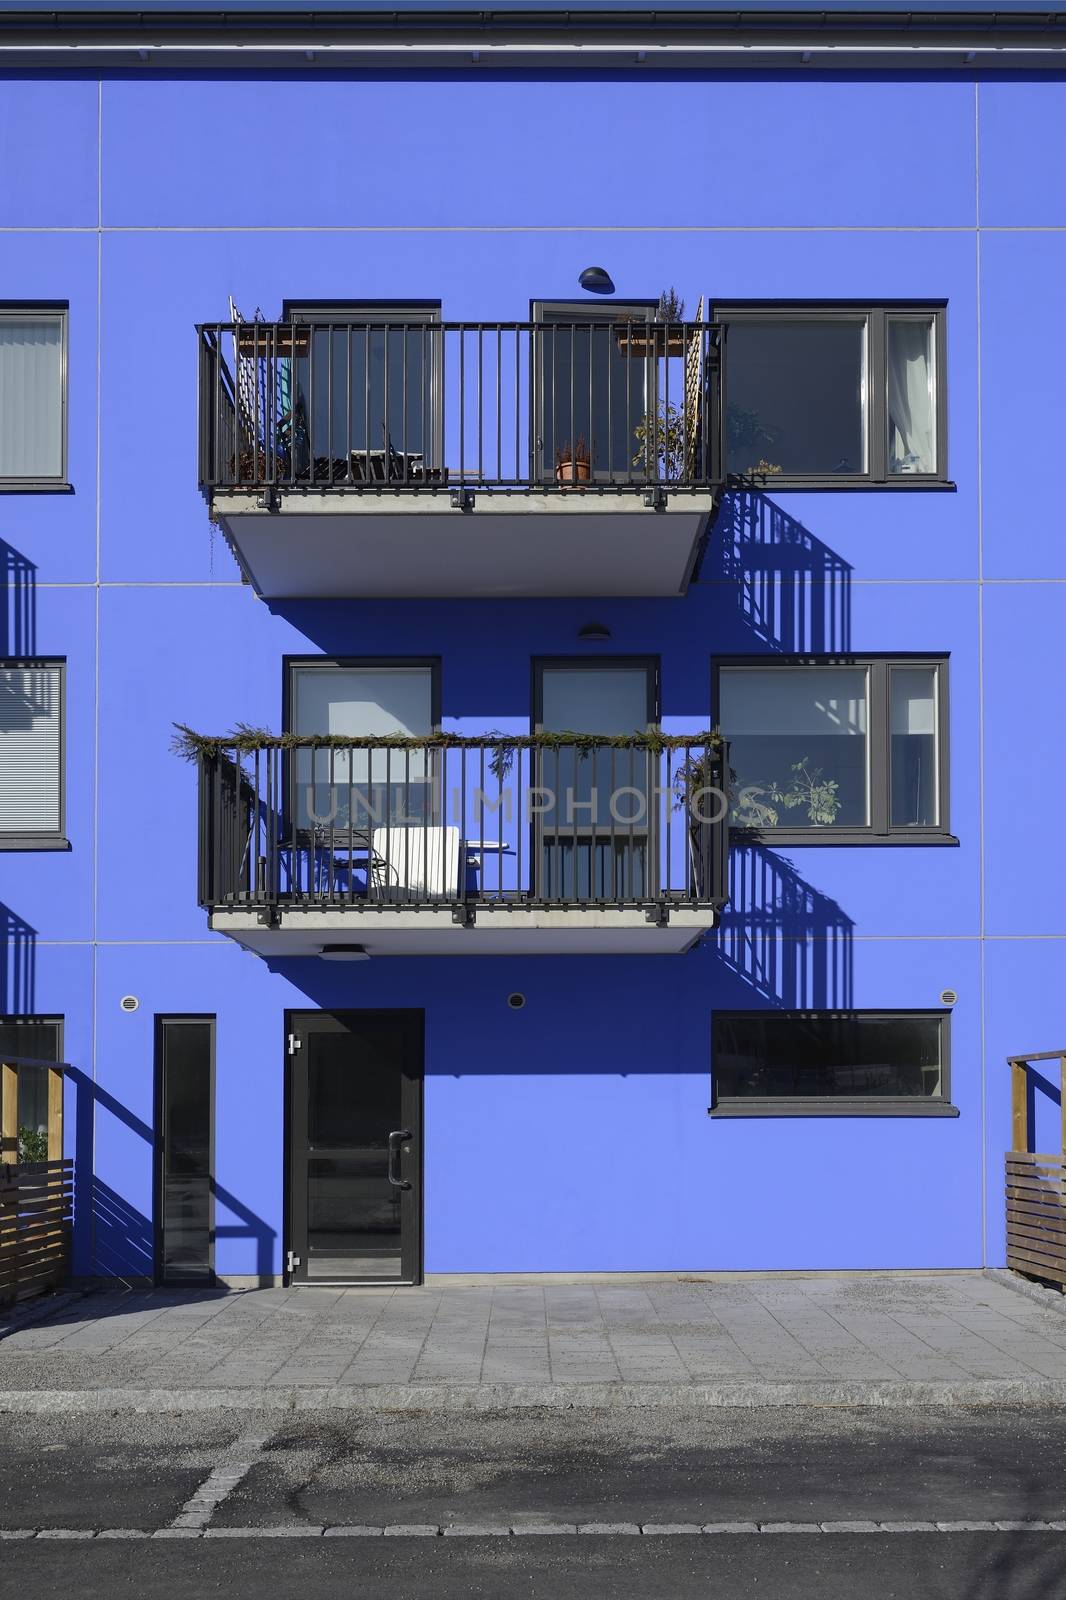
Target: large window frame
x=292, y=664
x=939, y=1105
x=879, y=829
x=38, y=311
x=51, y=839
x=874, y=316
x=393, y=314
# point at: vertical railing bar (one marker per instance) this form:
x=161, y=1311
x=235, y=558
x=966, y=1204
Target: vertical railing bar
x=312, y=335
x=403, y=401
x=462, y=403
x=349, y=477
x=609, y=365
x=499, y=403
x=386, y=440
x=480, y=410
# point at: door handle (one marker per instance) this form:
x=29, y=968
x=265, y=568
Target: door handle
x=393, y=1167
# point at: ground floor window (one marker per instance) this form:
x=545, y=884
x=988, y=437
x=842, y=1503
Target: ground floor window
x=185, y=1061
x=814, y=1063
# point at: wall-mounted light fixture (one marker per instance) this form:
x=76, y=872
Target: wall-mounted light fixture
x=344, y=952
x=597, y=280
x=594, y=632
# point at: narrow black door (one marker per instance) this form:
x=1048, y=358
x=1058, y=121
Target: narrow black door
x=355, y=1137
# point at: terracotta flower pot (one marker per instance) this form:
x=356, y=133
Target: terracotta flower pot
x=573, y=471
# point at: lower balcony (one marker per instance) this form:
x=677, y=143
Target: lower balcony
x=541, y=845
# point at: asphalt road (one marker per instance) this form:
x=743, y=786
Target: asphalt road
x=220, y=1471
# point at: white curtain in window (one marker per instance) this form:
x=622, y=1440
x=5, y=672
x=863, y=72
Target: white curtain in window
x=30, y=745
x=31, y=397
x=911, y=405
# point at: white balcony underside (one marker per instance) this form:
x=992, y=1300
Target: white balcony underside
x=396, y=546
x=431, y=931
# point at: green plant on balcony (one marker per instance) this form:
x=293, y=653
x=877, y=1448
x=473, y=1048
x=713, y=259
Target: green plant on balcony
x=33, y=1145
x=660, y=435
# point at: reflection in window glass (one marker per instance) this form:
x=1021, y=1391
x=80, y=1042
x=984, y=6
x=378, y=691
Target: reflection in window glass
x=911, y=395
x=796, y=398
x=33, y=1040
x=797, y=745
x=913, y=726
x=850, y=1055
x=369, y=786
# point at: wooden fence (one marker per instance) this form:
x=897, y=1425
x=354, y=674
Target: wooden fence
x=1035, y=1185
x=36, y=1196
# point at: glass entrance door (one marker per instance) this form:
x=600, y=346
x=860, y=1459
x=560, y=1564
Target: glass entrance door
x=356, y=1146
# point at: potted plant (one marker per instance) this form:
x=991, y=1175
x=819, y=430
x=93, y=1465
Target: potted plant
x=642, y=339
x=573, y=464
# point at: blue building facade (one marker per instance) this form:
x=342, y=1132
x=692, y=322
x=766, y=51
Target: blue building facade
x=574, y=1117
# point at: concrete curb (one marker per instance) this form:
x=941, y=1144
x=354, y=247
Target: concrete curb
x=1049, y=1393
x=1050, y=1299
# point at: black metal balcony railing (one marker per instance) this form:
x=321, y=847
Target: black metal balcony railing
x=454, y=407
x=470, y=822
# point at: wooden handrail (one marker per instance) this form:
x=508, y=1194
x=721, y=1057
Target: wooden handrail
x=1038, y=1055
x=1019, y=1095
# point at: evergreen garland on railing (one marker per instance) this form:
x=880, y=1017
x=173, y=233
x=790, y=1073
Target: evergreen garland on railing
x=245, y=740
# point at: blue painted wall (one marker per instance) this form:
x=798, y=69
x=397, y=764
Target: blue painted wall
x=572, y=1134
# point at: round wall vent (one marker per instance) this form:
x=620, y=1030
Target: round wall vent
x=129, y=1002
x=948, y=997
x=516, y=1001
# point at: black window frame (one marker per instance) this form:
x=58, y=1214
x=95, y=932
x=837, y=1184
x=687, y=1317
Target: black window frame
x=387, y=312
x=290, y=663
x=940, y=1105
x=54, y=839
x=879, y=830
x=161, y=1021
x=875, y=315
x=33, y=310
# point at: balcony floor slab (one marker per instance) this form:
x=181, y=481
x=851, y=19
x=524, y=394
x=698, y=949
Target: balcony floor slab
x=432, y=931
x=510, y=545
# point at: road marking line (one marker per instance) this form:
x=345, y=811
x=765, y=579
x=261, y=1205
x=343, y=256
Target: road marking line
x=232, y=1469
x=427, y=1530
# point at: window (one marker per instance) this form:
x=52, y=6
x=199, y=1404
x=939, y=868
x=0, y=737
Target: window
x=830, y=395
x=31, y=755
x=591, y=386
x=363, y=698
x=813, y=1063
x=34, y=1039
x=33, y=369
x=366, y=383
x=844, y=751
x=584, y=850
x=185, y=1062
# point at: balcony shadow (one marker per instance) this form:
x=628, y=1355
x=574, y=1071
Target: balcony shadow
x=18, y=965
x=18, y=603
x=111, y=1237
x=793, y=593
x=783, y=939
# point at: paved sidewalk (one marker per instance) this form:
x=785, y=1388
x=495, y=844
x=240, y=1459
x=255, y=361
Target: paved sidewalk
x=871, y=1338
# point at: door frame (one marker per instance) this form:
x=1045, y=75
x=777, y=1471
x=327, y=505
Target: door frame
x=413, y=1095
x=546, y=312
x=651, y=665
x=162, y=1018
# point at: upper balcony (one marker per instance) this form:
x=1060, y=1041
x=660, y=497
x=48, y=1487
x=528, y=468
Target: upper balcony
x=449, y=845
x=406, y=459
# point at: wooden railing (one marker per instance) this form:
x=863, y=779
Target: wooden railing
x=36, y=1206
x=36, y=1195
x=1035, y=1185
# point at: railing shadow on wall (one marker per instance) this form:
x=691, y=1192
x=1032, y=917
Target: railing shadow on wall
x=18, y=603
x=793, y=593
x=122, y=1240
x=18, y=965
x=782, y=938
